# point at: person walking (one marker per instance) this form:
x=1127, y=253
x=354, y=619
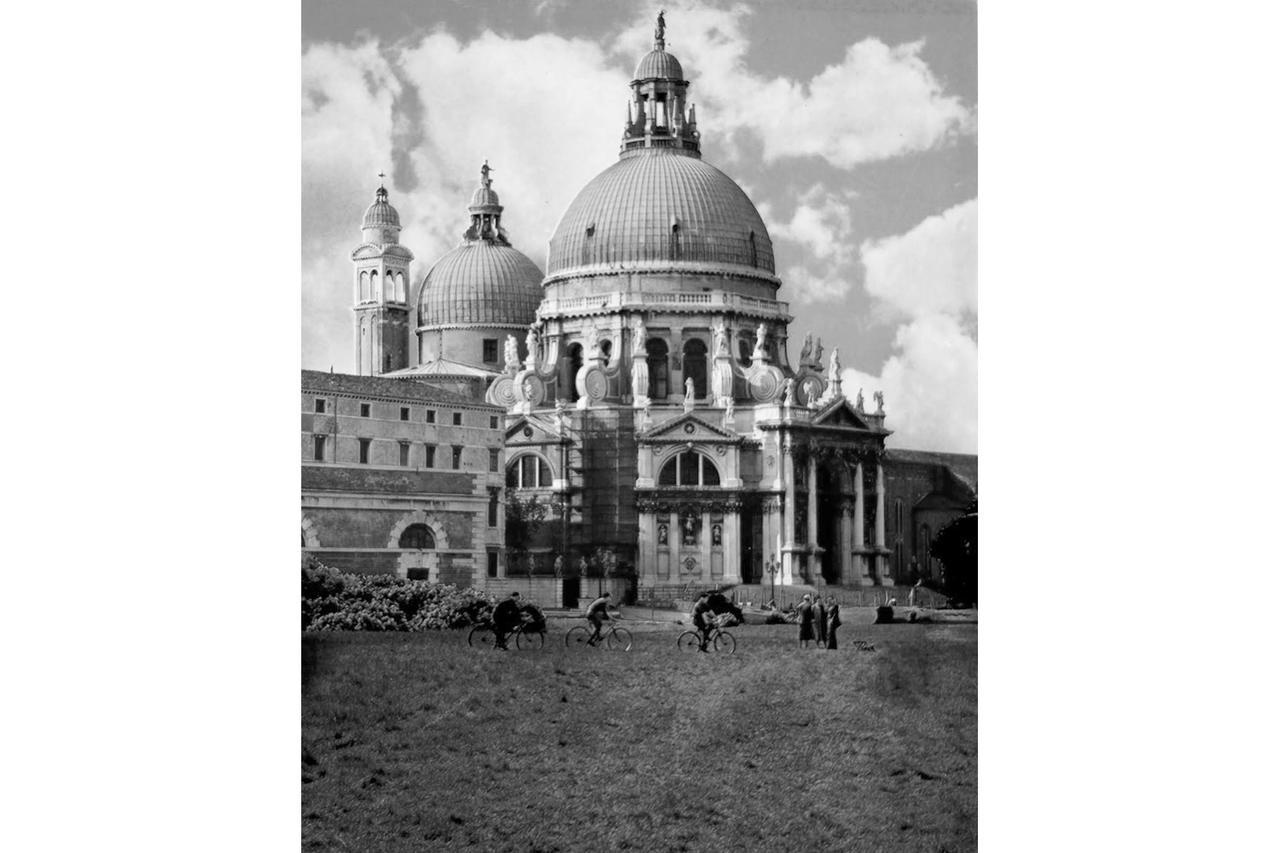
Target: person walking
x=820, y=621
x=805, y=617
x=833, y=621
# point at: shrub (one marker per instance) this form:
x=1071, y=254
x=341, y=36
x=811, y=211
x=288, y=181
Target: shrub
x=337, y=601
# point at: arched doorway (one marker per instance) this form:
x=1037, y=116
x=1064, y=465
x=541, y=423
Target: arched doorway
x=831, y=498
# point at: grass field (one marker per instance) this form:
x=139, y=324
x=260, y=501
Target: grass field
x=418, y=742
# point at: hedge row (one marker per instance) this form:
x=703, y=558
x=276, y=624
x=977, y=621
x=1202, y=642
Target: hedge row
x=337, y=601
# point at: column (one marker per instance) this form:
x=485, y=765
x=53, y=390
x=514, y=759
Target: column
x=859, y=529
x=788, y=513
x=845, y=562
x=647, y=550
x=881, y=561
x=814, y=563
x=732, y=547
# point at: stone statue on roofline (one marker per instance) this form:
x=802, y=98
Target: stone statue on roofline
x=789, y=392
x=806, y=349
x=879, y=397
x=817, y=352
x=858, y=403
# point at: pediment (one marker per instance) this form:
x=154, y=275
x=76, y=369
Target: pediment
x=689, y=427
x=531, y=430
x=840, y=413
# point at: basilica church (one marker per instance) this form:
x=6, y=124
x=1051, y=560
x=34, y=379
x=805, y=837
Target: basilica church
x=641, y=393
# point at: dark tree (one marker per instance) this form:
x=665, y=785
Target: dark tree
x=956, y=547
x=524, y=520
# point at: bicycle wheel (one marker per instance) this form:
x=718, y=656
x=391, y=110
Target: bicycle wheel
x=577, y=636
x=619, y=638
x=530, y=640
x=688, y=641
x=725, y=643
x=481, y=636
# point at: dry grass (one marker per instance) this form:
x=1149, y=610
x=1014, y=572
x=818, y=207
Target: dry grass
x=421, y=743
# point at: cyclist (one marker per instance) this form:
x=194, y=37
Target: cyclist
x=506, y=616
x=713, y=602
x=597, y=612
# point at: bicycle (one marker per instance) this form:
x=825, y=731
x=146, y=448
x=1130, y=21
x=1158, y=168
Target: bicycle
x=612, y=638
x=720, y=640
x=483, y=636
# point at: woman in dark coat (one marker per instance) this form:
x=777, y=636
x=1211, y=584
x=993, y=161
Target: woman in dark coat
x=805, y=612
x=833, y=621
x=820, y=621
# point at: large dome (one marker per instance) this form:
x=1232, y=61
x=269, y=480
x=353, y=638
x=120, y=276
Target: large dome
x=481, y=282
x=657, y=205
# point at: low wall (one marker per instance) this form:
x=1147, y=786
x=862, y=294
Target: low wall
x=544, y=592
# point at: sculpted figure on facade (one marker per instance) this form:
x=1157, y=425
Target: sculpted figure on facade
x=640, y=344
x=858, y=403
x=817, y=352
x=720, y=340
x=592, y=342
x=833, y=371
x=511, y=354
x=789, y=392
x=762, y=334
x=806, y=349
x=531, y=347
x=689, y=398
x=879, y=398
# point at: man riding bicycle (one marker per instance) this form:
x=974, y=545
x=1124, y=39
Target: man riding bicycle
x=709, y=604
x=597, y=613
x=506, y=616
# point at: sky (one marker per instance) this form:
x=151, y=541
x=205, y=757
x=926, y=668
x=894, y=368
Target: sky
x=851, y=125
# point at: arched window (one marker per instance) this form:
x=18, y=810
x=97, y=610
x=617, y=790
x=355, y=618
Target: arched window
x=401, y=293
x=689, y=468
x=695, y=365
x=417, y=536
x=745, y=347
x=528, y=472
x=364, y=285
x=569, y=379
x=659, y=369
x=373, y=285
x=606, y=349
x=388, y=288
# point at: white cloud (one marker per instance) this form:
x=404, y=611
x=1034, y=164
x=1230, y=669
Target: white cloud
x=929, y=276
x=878, y=102
x=822, y=226
x=930, y=385
x=931, y=268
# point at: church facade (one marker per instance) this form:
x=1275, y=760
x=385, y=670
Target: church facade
x=648, y=395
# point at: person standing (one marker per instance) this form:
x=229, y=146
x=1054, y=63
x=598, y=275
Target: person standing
x=820, y=621
x=833, y=621
x=805, y=612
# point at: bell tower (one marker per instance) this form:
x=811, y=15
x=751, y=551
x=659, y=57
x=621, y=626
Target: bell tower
x=381, y=287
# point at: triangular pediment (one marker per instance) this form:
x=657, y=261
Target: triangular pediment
x=532, y=429
x=840, y=413
x=688, y=427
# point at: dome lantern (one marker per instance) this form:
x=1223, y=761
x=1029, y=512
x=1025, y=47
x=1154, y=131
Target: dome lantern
x=656, y=115
x=381, y=223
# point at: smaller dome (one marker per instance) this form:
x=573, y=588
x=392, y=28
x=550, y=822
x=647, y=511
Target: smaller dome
x=481, y=282
x=659, y=63
x=381, y=214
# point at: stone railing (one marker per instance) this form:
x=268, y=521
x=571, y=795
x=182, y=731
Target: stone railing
x=711, y=301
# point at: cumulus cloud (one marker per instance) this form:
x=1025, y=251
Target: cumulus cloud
x=822, y=227
x=928, y=276
x=931, y=268
x=930, y=385
x=879, y=101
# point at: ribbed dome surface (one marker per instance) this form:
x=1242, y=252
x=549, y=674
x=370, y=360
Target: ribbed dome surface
x=659, y=63
x=484, y=197
x=481, y=282
x=627, y=211
x=380, y=213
